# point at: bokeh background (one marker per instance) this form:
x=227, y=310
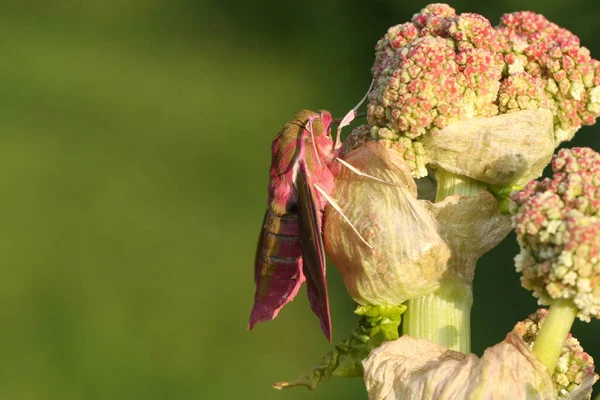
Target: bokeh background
x=134, y=155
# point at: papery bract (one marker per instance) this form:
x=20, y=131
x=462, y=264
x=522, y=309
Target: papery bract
x=471, y=226
x=416, y=369
x=506, y=149
x=409, y=257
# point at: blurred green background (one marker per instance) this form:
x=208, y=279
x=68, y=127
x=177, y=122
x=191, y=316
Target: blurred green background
x=134, y=159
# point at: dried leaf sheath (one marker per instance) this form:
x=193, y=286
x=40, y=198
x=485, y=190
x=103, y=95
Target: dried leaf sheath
x=409, y=256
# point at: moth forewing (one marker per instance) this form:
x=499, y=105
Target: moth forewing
x=313, y=253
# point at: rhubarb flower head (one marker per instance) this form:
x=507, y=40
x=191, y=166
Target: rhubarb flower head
x=442, y=68
x=574, y=366
x=557, y=222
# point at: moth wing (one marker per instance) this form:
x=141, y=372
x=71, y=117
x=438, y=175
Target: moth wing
x=278, y=267
x=313, y=253
x=260, y=250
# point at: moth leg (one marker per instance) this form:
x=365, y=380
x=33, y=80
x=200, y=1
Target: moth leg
x=337, y=208
x=364, y=175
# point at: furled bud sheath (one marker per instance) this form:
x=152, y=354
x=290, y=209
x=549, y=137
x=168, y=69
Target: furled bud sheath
x=408, y=257
x=471, y=226
x=508, y=149
x=574, y=366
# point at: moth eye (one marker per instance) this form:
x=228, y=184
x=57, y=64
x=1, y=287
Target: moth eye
x=293, y=207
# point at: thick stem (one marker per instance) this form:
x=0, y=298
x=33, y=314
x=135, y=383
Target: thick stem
x=449, y=184
x=444, y=316
x=554, y=332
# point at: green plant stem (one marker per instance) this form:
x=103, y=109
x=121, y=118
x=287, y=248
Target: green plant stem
x=449, y=184
x=554, y=332
x=444, y=316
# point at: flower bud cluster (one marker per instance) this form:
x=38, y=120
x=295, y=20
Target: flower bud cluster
x=574, y=364
x=571, y=78
x=435, y=70
x=557, y=223
x=444, y=67
x=411, y=151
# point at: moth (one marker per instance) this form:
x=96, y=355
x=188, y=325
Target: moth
x=305, y=160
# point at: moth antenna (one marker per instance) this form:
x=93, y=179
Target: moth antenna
x=348, y=118
x=337, y=208
x=337, y=121
x=312, y=135
x=365, y=175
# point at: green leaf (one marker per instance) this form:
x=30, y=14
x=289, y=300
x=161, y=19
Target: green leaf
x=376, y=325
